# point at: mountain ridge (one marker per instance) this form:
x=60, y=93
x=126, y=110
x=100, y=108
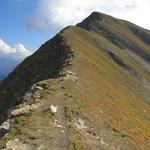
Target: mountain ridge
x=86, y=88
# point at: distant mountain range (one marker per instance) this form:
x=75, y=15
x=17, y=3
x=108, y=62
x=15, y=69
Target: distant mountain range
x=87, y=88
x=2, y=76
x=7, y=65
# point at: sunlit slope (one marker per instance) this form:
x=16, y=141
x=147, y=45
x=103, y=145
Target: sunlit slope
x=109, y=90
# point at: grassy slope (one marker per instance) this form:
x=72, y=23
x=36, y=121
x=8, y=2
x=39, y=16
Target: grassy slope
x=110, y=88
x=123, y=27
x=113, y=104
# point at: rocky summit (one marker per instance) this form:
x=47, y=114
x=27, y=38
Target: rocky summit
x=88, y=88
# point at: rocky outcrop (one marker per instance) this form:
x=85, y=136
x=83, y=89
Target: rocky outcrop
x=24, y=110
x=125, y=66
x=144, y=35
x=4, y=128
x=16, y=144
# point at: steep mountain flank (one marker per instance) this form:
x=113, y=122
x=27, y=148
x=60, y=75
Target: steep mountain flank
x=46, y=63
x=87, y=88
x=118, y=33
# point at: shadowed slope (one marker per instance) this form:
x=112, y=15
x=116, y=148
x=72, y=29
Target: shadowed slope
x=46, y=63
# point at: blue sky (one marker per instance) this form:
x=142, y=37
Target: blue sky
x=14, y=16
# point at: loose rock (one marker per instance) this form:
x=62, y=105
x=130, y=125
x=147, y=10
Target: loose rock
x=54, y=109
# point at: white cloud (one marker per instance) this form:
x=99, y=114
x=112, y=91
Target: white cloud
x=22, y=51
x=5, y=49
x=10, y=57
x=19, y=51
x=61, y=13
